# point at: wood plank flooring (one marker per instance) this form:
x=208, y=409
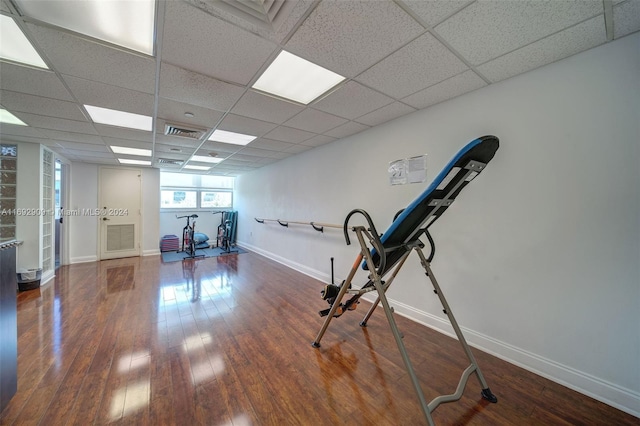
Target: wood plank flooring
x=227, y=341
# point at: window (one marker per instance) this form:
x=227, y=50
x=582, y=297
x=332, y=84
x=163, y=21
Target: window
x=191, y=191
x=216, y=199
x=178, y=199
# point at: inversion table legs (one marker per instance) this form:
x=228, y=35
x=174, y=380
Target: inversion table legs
x=381, y=288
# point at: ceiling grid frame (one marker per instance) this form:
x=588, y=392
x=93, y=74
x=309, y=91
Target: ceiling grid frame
x=310, y=129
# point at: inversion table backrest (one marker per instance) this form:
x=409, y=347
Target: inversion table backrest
x=436, y=198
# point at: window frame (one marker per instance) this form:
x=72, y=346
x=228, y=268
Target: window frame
x=199, y=191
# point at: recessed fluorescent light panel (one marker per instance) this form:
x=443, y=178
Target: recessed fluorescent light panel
x=136, y=162
x=205, y=159
x=191, y=167
x=8, y=118
x=15, y=46
x=129, y=24
x=114, y=117
x=291, y=77
x=131, y=151
x=231, y=137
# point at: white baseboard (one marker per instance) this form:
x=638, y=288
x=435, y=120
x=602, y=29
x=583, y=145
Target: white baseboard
x=84, y=259
x=609, y=393
x=152, y=252
x=313, y=273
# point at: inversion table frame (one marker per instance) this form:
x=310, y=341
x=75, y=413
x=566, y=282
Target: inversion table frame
x=387, y=254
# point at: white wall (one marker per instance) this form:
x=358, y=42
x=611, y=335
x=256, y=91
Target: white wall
x=539, y=257
x=150, y=216
x=84, y=230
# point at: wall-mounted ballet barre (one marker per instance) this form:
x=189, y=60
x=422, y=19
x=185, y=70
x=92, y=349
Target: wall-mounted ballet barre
x=318, y=226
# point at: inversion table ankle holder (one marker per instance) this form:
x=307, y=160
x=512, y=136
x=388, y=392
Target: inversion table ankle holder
x=387, y=254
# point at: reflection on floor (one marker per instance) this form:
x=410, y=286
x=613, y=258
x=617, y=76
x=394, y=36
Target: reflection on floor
x=227, y=341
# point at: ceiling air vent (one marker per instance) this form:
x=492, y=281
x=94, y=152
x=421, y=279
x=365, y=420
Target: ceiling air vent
x=266, y=14
x=168, y=161
x=183, y=131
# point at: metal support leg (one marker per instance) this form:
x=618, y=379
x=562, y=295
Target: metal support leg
x=363, y=323
x=486, y=392
x=377, y=282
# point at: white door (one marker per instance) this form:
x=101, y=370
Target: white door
x=119, y=212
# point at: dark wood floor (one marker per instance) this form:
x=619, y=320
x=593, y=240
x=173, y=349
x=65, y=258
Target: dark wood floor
x=227, y=341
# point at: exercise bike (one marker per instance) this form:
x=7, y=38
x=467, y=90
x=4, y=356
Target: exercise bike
x=188, y=242
x=224, y=239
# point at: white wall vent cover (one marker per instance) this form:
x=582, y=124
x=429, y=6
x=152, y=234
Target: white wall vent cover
x=120, y=237
x=183, y=131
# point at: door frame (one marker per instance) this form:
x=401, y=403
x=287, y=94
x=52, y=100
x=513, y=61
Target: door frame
x=65, y=200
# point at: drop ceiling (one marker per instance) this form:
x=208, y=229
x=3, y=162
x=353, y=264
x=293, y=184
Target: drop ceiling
x=397, y=57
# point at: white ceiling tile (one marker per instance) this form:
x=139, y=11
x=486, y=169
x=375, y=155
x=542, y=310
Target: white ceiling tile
x=172, y=156
x=267, y=108
x=432, y=12
x=234, y=168
x=173, y=111
x=189, y=87
x=352, y=100
x=170, y=148
x=200, y=45
x=315, y=121
x=128, y=143
x=73, y=137
x=242, y=157
x=54, y=123
x=222, y=149
x=421, y=63
x=583, y=36
x=256, y=152
x=270, y=144
x=348, y=37
x=15, y=130
x=90, y=152
x=387, y=48
x=245, y=125
x=318, y=140
x=351, y=128
x=93, y=159
x=17, y=138
x=626, y=18
x=283, y=154
x=297, y=149
x=84, y=146
x=266, y=161
x=384, y=114
x=288, y=134
x=22, y=102
x=487, y=29
x=177, y=141
x=448, y=89
x=123, y=133
x=89, y=92
x=33, y=81
x=75, y=56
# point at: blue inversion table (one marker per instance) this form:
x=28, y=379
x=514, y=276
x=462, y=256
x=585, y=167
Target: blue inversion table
x=381, y=255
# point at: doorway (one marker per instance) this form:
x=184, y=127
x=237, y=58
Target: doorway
x=60, y=197
x=120, y=195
